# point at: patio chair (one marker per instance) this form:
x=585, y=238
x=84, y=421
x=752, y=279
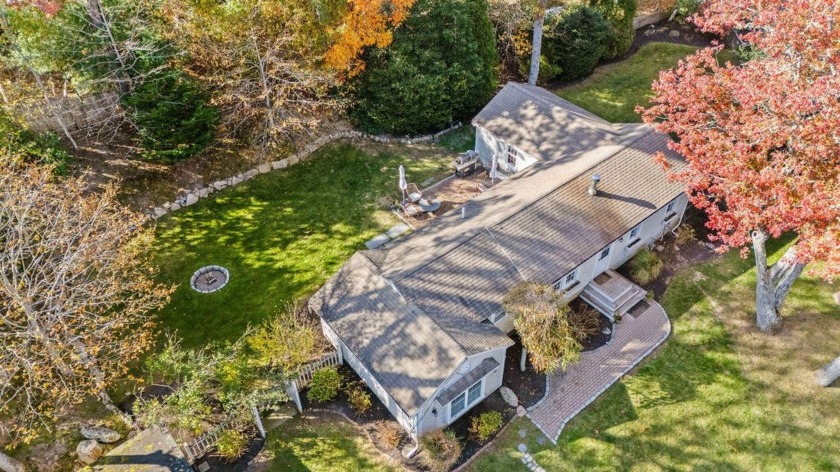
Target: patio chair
x=413, y=192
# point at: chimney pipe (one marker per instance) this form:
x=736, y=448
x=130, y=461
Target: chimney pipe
x=593, y=187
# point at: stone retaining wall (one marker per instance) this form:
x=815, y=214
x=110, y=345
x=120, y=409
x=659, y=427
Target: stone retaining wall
x=193, y=196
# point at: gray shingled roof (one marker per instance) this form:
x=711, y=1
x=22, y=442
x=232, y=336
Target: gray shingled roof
x=403, y=347
x=542, y=124
x=413, y=312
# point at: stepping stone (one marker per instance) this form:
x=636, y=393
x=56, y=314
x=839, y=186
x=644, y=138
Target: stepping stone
x=522, y=433
x=377, y=241
x=522, y=448
x=541, y=440
x=606, y=330
x=397, y=230
x=521, y=411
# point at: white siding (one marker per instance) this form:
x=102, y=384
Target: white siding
x=651, y=229
x=429, y=421
x=402, y=418
x=486, y=144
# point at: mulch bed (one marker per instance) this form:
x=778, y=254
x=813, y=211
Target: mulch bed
x=529, y=386
x=600, y=338
x=217, y=464
x=461, y=427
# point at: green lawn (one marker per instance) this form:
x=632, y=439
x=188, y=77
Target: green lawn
x=321, y=446
x=281, y=234
x=614, y=90
x=718, y=396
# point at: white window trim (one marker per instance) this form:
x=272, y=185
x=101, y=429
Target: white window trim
x=672, y=205
x=602, y=256
x=467, y=405
x=564, y=282
x=517, y=155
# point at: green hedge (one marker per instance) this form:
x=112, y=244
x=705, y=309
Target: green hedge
x=574, y=40
x=619, y=15
x=441, y=67
x=174, y=117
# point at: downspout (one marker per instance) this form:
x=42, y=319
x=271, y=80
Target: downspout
x=679, y=222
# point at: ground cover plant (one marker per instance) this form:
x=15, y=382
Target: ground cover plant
x=281, y=235
x=720, y=395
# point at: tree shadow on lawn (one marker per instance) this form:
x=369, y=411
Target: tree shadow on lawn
x=280, y=235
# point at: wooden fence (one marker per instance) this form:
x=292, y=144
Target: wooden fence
x=78, y=114
x=199, y=446
x=307, y=371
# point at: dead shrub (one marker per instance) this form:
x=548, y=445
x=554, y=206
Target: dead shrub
x=585, y=322
x=441, y=449
x=391, y=433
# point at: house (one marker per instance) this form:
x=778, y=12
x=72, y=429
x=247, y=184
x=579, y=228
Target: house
x=422, y=322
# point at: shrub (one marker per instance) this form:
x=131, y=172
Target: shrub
x=585, y=323
x=645, y=267
x=574, y=40
x=359, y=398
x=485, y=425
x=325, y=385
x=686, y=234
x=42, y=148
x=441, y=450
x=619, y=14
x=391, y=433
x=440, y=67
x=231, y=445
x=686, y=8
x=173, y=116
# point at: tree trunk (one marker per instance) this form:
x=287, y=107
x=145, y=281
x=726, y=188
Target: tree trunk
x=828, y=373
x=7, y=464
x=536, y=43
x=523, y=361
x=94, y=370
x=773, y=283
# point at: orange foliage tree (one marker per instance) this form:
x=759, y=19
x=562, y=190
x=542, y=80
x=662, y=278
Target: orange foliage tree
x=367, y=23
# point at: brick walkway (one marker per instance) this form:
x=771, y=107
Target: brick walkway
x=570, y=392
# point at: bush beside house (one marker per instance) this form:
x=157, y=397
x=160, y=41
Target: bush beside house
x=326, y=382
x=485, y=425
x=645, y=267
x=441, y=67
x=440, y=450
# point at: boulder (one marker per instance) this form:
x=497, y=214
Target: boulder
x=293, y=160
x=236, y=180
x=837, y=298
x=251, y=174
x=167, y=205
x=279, y=164
x=674, y=34
x=100, y=434
x=220, y=184
x=174, y=207
x=264, y=168
x=508, y=396
x=160, y=212
x=89, y=450
x=203, y=193
x=191, y=199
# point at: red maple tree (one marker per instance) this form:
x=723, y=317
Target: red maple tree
x=762, y=139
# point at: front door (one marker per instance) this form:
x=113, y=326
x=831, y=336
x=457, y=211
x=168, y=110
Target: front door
x=602, y=263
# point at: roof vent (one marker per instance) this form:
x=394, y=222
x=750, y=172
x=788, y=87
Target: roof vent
x=593, y=187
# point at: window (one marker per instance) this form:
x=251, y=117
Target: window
x=671, y=207
x=512, y=155
x=635, y=232
x=466, y=399
x=570, y=278
x=604, y=254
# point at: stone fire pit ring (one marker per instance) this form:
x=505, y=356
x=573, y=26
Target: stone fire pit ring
x=209, y=279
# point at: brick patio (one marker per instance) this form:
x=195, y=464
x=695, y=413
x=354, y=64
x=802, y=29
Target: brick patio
x=571, y=391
